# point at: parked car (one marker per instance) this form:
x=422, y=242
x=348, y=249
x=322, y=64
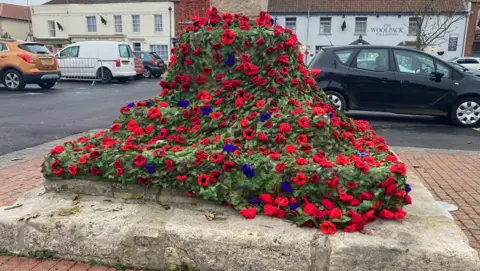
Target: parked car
x=401, y=80
x=139, y=68
x=468, y=62
x=154, y=65
x=463, y=69
x=105, y=60
x=24, y=63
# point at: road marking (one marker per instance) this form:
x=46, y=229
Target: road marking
x=476, y=129
x=33, y=93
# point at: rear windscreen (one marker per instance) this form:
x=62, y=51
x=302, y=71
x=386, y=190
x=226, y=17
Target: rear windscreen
x=125, y=50
x=34, y=48
x=155, y=55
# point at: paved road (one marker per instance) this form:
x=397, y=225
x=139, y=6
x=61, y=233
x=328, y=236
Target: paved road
x=36, y=116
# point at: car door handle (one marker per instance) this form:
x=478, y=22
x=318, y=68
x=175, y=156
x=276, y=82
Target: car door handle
x=405, y=83
x=3, y=56
x=384, y=80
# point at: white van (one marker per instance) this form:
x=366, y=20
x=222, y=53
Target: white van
x=104, y=60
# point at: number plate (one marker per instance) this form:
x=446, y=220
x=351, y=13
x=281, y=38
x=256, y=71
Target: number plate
x=50, y=76
x=125, y=62
x=46, y=61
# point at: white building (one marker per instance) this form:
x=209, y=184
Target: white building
x=146, y=25
x=320, y=23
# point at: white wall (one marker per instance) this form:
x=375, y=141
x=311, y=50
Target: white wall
x=16, y=28
x=73, y=20
x=339, y=37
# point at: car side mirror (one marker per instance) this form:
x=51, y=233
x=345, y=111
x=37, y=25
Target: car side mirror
x=437, y=76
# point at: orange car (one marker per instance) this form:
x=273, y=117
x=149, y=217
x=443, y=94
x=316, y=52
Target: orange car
x=139, y=68
x=24, y=63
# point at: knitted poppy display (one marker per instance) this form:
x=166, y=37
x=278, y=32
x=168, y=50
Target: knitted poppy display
x=239, y=120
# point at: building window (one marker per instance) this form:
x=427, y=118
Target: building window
x=136, y=23
x=412, y=26
x=92, y=23
x=137, y=46
x=361, y=25
x=161, y=50
x=118, y=23
x=51, y=28
x=291, y=23
x=325, y=25
x=158, y=23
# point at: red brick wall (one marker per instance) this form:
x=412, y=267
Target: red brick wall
x=472, y=24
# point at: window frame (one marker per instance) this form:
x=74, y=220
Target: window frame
x=349, y=59
x=2, y=45
x=290, y=20
x=118, y=26
x=411, y=21
x=133, y=23
x=69, y=48
x=354, y=63
x=396, y=69
x=94, y=26
x=156, y=24
x=52, y=32
x=361, y=20
x=161, y=49
x=326, y=19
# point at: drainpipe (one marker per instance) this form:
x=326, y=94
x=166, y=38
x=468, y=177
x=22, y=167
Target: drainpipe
x=170, y=35
x=308, y=27
x=467, y=19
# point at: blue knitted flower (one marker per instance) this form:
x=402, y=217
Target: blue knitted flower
x=248, y=170
x=183, y=103
x=228, y=148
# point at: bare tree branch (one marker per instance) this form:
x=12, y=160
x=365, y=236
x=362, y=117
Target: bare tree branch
x=433, y=24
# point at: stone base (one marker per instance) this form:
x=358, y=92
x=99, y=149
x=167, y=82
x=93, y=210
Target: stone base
x=118, y=226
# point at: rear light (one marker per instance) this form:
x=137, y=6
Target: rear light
x=117, y=62
x=153, y=62
x=315, y=72
x=26, y=58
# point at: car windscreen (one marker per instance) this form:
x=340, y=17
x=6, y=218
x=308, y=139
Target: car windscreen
x=35, y=48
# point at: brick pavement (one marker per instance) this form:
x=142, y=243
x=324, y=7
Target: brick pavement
x=451, y=177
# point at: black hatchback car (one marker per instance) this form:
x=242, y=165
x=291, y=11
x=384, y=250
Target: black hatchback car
x=398, y=80
x=154, y=65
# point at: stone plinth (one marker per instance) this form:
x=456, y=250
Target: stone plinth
x=85, y=220
x=250, y=8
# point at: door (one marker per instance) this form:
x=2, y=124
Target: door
x=69, y=62
x=4, y=55
x=417, y=87
x=126, y=59
x=368, y=77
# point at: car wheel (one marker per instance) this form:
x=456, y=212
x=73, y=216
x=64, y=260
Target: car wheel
x=47, y=85
x=147, y=73
x=105, y=76
x=337, y=100
x=13, y=80
x=466, y=112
